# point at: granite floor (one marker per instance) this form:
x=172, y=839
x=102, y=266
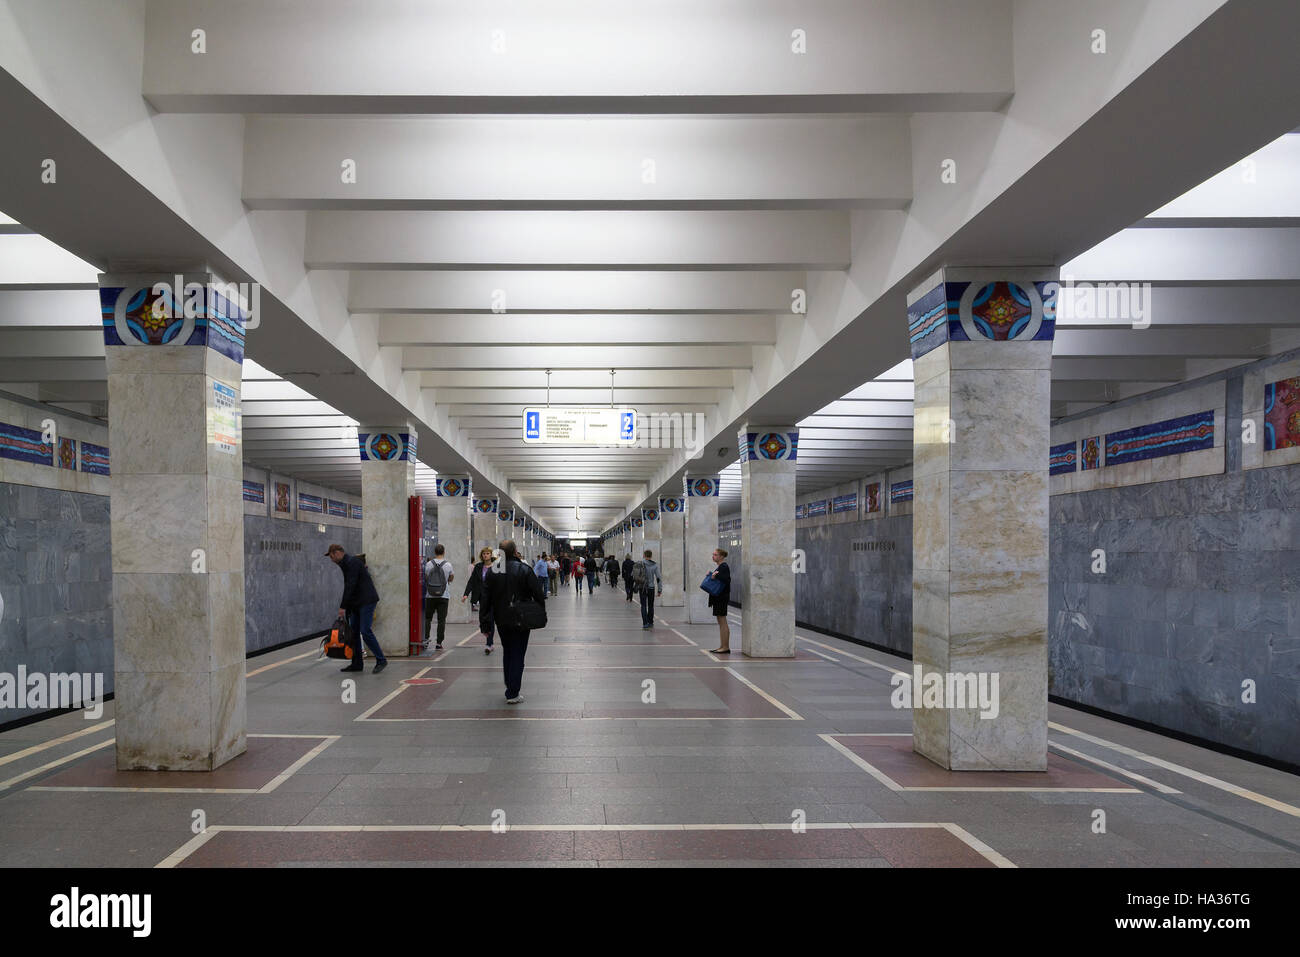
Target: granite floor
x=632, y=748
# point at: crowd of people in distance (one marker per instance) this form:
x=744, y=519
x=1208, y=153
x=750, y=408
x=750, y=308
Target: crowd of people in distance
x=500, y=584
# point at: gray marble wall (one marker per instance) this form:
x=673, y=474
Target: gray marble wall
x=858, y=580
x=1201, y=592
x=290, y=588
x=56, y=584
x=863, y=592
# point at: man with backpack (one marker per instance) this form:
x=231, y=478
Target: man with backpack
x=647, y=580
x=358, y=606
x=438, y=575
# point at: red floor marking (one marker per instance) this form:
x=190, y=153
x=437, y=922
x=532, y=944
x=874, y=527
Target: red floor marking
x=893, y=756
x=739, y=700
x=900, y=847
x=264, y=760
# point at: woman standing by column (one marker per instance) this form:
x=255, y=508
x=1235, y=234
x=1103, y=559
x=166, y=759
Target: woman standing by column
x=720, y=602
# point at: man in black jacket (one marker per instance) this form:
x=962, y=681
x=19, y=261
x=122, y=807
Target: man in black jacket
x=358, y=604
x=515, y=579
x=628, y=565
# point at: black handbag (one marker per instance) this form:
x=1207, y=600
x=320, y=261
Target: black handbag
x=523, y=614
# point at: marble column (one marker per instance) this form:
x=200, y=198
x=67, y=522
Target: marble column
x=387, y=484
x=982, y=351
x=649, y=537
x=174, y=347
x=483, y=518
x=672, y=522
x=701, y=539
x=767, y=493
x=452, y=501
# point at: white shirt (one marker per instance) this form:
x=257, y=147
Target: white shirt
x=446, y=571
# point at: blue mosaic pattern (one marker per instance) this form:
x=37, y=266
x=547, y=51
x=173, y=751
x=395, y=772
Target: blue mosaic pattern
x=650, y=514
x=354, y=511
x=24, y=445
x=845, y=503
x=1187, y=433
x=129, y=318
x=338, y=509
x=485, y=506
x=1064, y=458
x=254, y=492
x=900, y=492
x=310, y=503
x=818, y=508
x=68, y=454
x=703, y=487
x=386, y=446
x=800, y=512
x=770, y=446
x=94, y=458
x=672, y=504
x=451, y=487
x=952, y=311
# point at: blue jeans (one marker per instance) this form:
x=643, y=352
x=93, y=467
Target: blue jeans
x=360, y=620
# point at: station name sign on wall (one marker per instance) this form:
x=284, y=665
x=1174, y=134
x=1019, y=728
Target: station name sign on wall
x=579, y=426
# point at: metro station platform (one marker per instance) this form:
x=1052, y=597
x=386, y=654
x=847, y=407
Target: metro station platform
x=735, y=762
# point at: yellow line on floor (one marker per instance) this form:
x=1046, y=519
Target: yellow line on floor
x=1213, y=782
x=258, y=671
x=37, y=748
x=54, y=764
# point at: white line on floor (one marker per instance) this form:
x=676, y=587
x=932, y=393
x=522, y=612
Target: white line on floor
x=189, y=847
x=390, y=696
x=1115, y=769
x=1186, y=772
x=739, y=677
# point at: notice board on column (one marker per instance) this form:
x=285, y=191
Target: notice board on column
x=223, y=419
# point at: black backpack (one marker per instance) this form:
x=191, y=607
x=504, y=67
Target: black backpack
x=435, y=579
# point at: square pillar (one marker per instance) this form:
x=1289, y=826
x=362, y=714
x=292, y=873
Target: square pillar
x=174, y=346
x=387, y=483
x=483, y=530
x=650, y=537
x=768, y=456
x=982, y=352
x=701, y=539
x=672, y=527
x=452, y=496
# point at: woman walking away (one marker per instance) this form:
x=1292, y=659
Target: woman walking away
x=474, y=592
x=579, y=572
x=719, y=603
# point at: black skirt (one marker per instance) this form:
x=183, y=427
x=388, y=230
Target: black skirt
x=719, y=603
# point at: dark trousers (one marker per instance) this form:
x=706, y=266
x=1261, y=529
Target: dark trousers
x=485, y=621
x=514, y=646
x=360, y=621
x=627, y=583
x=647, y=605
x=591, y=577
x=432, y=607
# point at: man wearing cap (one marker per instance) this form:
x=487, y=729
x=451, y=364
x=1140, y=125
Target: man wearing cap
x=358, y=605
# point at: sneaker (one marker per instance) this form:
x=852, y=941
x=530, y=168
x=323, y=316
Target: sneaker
x=487, y=650
x=515, y=700
x=353, y=668
x=381, y=666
